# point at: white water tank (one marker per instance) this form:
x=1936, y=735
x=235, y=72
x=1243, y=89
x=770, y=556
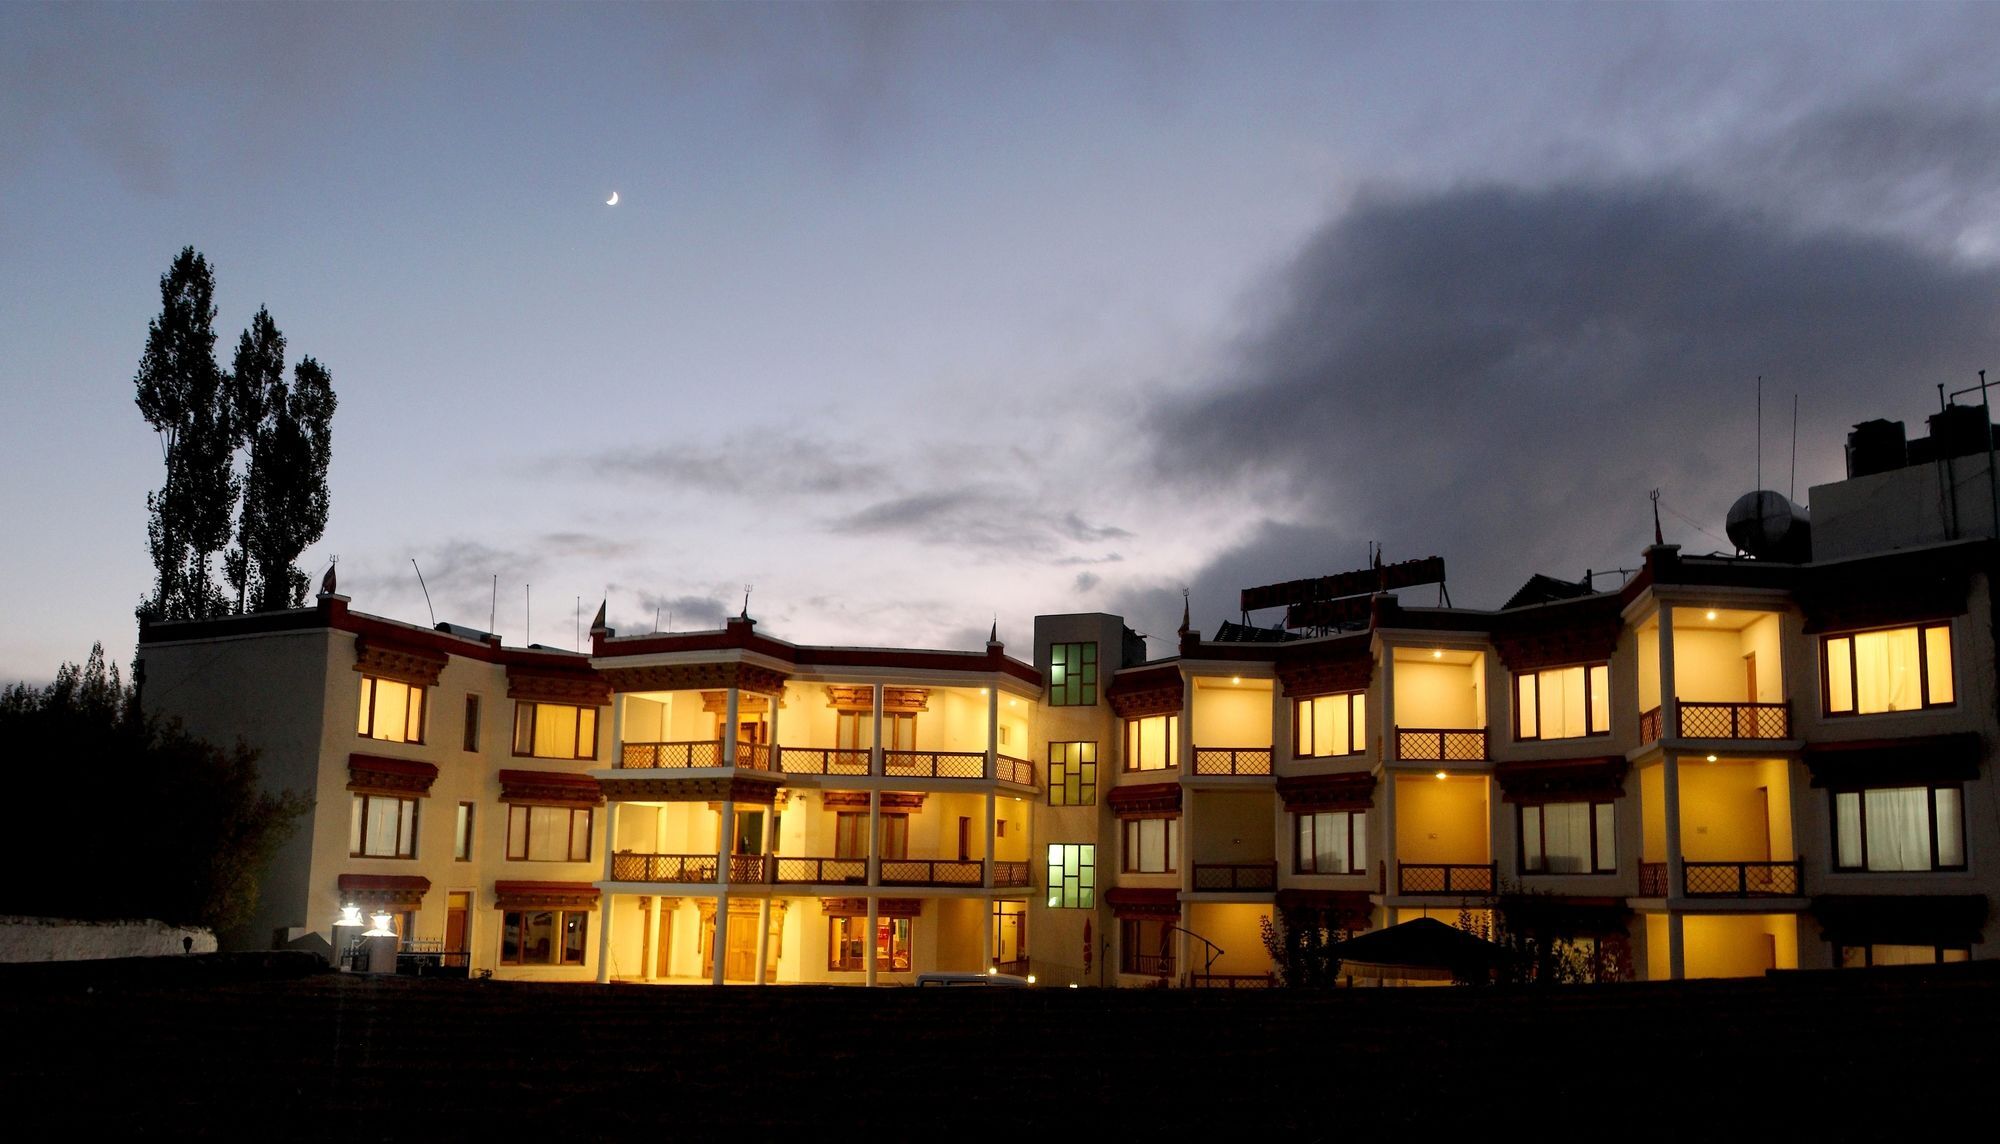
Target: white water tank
x=1769, y=526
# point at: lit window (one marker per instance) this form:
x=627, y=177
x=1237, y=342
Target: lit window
x=1072, y=876
x=850, y=835
x=543, y=937
x=555, y=731
x=1569, y=838
x=1072, y=675
x=1899, y=828
x=548, y=834
x=1332, y=842
x=391, y=710
x=1897, y=669
x=462, y=848
x=1863, y=956
x=1152, y=743
x=1152, y=845
x=1563, y=702
x=382, y=826
x=847, y=944
x=472, y=722
x=1072, y=774
x=1328, y=725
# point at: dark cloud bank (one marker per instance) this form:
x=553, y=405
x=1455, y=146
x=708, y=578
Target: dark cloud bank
x=1499, y=375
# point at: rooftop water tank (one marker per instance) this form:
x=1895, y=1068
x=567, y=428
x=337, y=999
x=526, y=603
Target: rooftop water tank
x=1769, y=526
x=1876, y=447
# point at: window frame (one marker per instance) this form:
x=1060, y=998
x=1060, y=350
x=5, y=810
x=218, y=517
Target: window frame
x=1066, y=755
x=1923, y=629
x=1598, y=845
x=1590, y=711
x=559, y=948
x=1131, y=843
x=527, y=834
x=1304, y=860
x=1930, y=802
x=1938, y=953
x=1303, y=718
x=357, y=830
x=472, y=721
x=532, y=708
x=416, y=708
x=1072, y=891
x=1173, y=745
x=462, y=832
x=1077, y=686
x=902, y=935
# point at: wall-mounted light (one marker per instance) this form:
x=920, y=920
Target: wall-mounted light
x=1440, y=774
x=1711, y=758
x=1236, y=679
x=1710, y=615
x=1437, y=653
x=349, y=916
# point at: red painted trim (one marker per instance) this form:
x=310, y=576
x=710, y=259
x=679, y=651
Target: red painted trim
x=741, y=636
x=384, y=883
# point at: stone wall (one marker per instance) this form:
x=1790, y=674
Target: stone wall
x=65, y=939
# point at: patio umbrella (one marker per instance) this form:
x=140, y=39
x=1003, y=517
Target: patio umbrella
x=1424, y=949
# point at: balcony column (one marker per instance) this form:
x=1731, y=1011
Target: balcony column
x=771, y=727
x=1386, y=717
x=1284, y=732
x=725, y=850
x=731, y=708
x=987, y=879
x=1670, y=707
x=1392, y=879
x=986, y=936
x=868, y=943
x=618, y=731
x=647, y=929
x=1670, y=810
x=604, y=911
x=1183, y=943
x=1184, y=742
x=763, y=938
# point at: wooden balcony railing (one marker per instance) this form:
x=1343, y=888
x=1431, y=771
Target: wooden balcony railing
x=1232, y=980
x=1649, y=726
x=746, y=867
x=1020, y=772
x=1742, y=879
x=822, y=761
x=1735, y=720
x=1148, y=964
x=824, y=871
x=1018, y=967
x=1010, y=873
x=671, y=756
x=753, y=756
x=935, y=764
x=1441, y=744
x=1652, y=879
x=1235, y=877
x=932, y=872
x=1444, y=877
x=1232, y=760
x=629, y=867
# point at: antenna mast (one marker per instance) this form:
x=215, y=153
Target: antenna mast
x=493, y=607
x=427, y=592
x=1760, y=430
x=528, y=622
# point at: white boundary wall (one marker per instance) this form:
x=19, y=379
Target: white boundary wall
x=66, y=939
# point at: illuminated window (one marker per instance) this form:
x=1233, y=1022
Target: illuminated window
x=1899, y=828
x=1072, y=876
x=461, y=850
x=548, y=834
x=847, y=944
x=1896, y=669
x=1072, y=675
x=1569, y=838
x=1863, y=956
x=1331, y=842
x=899, y=730
x=555, y=731
x=1146, y=946
x=1152, y=743
x=382, y=826
x=1563, y=702
x=543, y=937
x=472, y=722
x=1328, y=725
x=850, y=835
x=391, y=710
x=1072, y=774
x=1152, y=845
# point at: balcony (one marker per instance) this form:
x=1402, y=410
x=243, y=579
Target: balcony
x=1020, y=772
x=691, y=755
x=1762, y=879
x=629, y=867
x=1148, y=964
x=934, y=764
x=1010, y=873
x=1723, y=721
x=823, y=871
x=1232, y=760
x=822, y=761
x=1235, y=877
x=1459, y=878
x=932, y=872
x=1441, y=744
x=1652, y=879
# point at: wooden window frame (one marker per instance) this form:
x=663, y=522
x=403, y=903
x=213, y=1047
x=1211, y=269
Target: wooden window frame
x=1302, y=719
x=363, y=798
x=1130, y=842
x=1066, y=893
x=462, y=832
x=1868, y=953
x=1923, y=631
x=1173, y=751
x=1930, y=801
x=527, y=840
x=1597, y=844
x=472, y=722
x=516, y=920
x=371, y=686
x=1303, y=861
x=837, y=961
x=1079, y=676
x=1590, y=712
x=532, y=708
x=1065, y=756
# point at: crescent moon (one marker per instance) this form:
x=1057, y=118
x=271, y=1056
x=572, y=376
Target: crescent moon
x=613, y=200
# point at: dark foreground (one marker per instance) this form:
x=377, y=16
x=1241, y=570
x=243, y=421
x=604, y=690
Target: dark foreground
x=233, y=1049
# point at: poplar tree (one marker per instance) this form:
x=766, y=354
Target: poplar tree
x=285, y=494
x=256, y=382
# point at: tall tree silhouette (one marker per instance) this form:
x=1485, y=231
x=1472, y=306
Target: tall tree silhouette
x=285, y=494
x=256, y=382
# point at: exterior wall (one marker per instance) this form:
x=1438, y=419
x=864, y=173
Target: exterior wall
x=1442, y=820
x=1232, y=715
x=1903, y=508
x=1439, y=694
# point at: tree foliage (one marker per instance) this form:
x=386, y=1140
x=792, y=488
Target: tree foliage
x=1300, y=940
x=1548, y=940
x=290, y=431
x=168, y=826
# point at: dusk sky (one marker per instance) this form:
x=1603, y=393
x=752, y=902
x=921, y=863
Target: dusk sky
x=915, y=316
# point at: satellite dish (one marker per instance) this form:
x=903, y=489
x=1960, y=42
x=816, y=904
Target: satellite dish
x=1768, y=526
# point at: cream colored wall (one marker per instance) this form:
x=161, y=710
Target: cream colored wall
x=1653, y=813
x=1232, y=826
x=1442, y=820
x=957, y=922
x=1761, y=637
x=1659, y=964
x=1738, y=945
x=1722, y=819
x=1648, y=664
x=1237, y=927
x=645, y=718
x=1439, y=695
x=1708, y=665
x=1233, y=715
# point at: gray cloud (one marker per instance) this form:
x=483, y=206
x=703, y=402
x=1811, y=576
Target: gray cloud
x=749, y=466
x=1498, y=376
x=685, y=613
x=996, y=519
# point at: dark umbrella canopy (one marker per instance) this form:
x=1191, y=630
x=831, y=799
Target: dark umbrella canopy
x=1423, y=949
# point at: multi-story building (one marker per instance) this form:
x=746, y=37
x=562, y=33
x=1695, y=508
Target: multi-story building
x=1724, y=766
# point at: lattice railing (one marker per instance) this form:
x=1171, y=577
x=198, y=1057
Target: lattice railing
x=932, y=872
x=825, y=871
x=1232, y=980
x=1227, y=877
x=753, y=756
x=1010, y=873
x=935, y=764
x=1020, y=772
x=746, y=867
x=1017, y=967
x=1441, y=744
x=1444, y=877
x=664, y=867
x=671, y=756
x=1649, y=726
x=1652, y=879
x=1735, y=720
x=1148, y=964
x=1742, y=879
x=1232, y=760
x=822, y=761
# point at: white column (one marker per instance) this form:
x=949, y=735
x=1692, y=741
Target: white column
x=986, y=937
x=1391, y=880
x=728, y=833
x=874, y=853
x=763, y=938
x=987, y=881
x=1282, y=746
x=605, y=899
x=1183, y=944
x=1184, y=746
x=868, y=944
x=875, y=747
x=771, y=722
x=992, y=740
x=732, y=706
x=1670, y=705
x=649, y=931
x=1670, y=809
x=1385, y=719
x=770, y=845
x=617, y=729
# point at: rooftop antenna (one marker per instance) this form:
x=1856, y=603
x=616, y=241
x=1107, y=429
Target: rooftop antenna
x=528, y=621
x=746, y=600
x=1760, y=431
x=1792, y=491
x=493, y=607
x=427, y=592
x=656, y=619
x=1659, y=538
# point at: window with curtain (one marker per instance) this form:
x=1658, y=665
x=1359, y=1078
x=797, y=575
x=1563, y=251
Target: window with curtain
x=391, y=710
x=548, y=834
x=555, y=731
x=1328, y=725
x=1331, y=842
x=1152, y=845
x=1889, y=829
x=1563, y=702
x=1152, y=743
x=382, y=826
x=1569, y=838
x=1863, y=956
x=1895, y=669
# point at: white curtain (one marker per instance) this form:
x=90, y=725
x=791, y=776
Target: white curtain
x=1950, y=828
x=1899, y=828
x=1885, y=671
x=1566, y=837
x=1847, y=830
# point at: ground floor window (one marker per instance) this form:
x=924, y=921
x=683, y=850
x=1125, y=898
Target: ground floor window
x=1864, y=956
x=543, y=937
x=382, y=826
x=847, y=944
x=1146, y=946
x=1569, y=838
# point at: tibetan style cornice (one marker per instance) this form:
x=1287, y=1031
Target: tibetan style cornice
x=404, y=663
x=1133, y=902
x=1344, y=909
x=576, y=686
x=652, y=787
x=893, y=801
x=1556, y=635
x=1145, y=800
x=1331, y=675
x=693, y=677
x=884, y=907
x=375, y=774
x=1901, y=919
x=550, y=788
x=1147, y=691
x=544, y=896
x=1311, y=794
x=1593, y=779
x=1917, y=759
x=383, y=891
